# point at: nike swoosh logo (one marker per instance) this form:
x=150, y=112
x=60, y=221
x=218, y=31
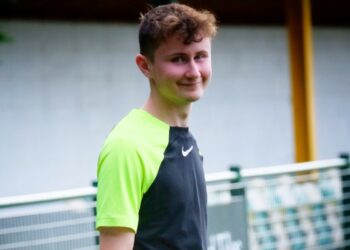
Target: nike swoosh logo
x=187, y=151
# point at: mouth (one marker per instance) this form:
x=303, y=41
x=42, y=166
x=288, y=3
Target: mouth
x=188, y=84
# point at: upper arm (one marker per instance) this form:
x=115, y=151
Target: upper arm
x=119, y=189
x=116, y=238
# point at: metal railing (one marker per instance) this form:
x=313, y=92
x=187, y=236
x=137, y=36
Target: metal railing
x=294, y=206
x=55, y=220
x=298, y=206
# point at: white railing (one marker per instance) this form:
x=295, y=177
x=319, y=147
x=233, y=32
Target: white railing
x=293, y=206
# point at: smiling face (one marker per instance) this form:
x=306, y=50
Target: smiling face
x=179, y=73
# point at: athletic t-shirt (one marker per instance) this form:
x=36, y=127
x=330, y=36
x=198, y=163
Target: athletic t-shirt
x=151, y=179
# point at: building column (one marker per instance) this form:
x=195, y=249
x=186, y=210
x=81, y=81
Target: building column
x=302, y=81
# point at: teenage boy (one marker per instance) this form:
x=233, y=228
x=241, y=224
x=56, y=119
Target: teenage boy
x=151, y=186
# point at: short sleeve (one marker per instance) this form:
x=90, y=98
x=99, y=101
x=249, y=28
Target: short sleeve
x=119, y=191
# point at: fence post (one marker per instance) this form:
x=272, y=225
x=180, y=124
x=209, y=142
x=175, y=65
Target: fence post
x=238, y=191
x=97, y=238
x=345, y=178
x=243, y=209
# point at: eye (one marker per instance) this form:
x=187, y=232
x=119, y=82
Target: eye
x=201, y=56
x=178, y=59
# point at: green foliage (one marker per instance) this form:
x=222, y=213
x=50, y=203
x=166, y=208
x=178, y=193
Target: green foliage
x=5, y=38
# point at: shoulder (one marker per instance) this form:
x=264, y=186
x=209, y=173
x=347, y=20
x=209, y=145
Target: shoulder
x=138, y=130
x=138, y=140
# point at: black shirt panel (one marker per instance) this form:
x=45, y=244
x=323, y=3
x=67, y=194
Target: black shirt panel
x=173, y=213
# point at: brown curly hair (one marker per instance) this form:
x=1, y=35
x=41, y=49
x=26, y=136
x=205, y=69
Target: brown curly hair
x=164, y=21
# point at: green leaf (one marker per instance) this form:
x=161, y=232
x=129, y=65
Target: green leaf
x=5, y=38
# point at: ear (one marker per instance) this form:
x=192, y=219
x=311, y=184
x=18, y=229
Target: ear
x=143, y=64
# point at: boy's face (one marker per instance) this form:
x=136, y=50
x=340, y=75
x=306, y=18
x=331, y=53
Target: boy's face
x=180, y=73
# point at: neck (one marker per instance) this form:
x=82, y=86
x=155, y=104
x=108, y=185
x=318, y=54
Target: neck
x=174, y=115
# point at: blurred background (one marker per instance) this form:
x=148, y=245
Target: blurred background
x=67, y=76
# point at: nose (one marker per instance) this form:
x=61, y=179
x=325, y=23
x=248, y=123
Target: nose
x=193, y=71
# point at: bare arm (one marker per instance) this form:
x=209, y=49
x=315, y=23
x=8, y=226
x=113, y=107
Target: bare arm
x=116, y=238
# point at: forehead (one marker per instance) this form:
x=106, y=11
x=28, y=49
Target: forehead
x=175, y=45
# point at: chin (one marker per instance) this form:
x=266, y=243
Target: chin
x=193, y=95
x=193, y=98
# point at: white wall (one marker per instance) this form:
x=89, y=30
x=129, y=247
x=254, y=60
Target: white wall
x=63, y=86
x=332, y=78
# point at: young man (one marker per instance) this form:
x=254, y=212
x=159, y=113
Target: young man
x=151, y=186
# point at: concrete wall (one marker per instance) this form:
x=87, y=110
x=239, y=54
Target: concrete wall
x=63, y=86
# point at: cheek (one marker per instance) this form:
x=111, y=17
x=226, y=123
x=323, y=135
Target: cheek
x=169, y=72
x=206, y=71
